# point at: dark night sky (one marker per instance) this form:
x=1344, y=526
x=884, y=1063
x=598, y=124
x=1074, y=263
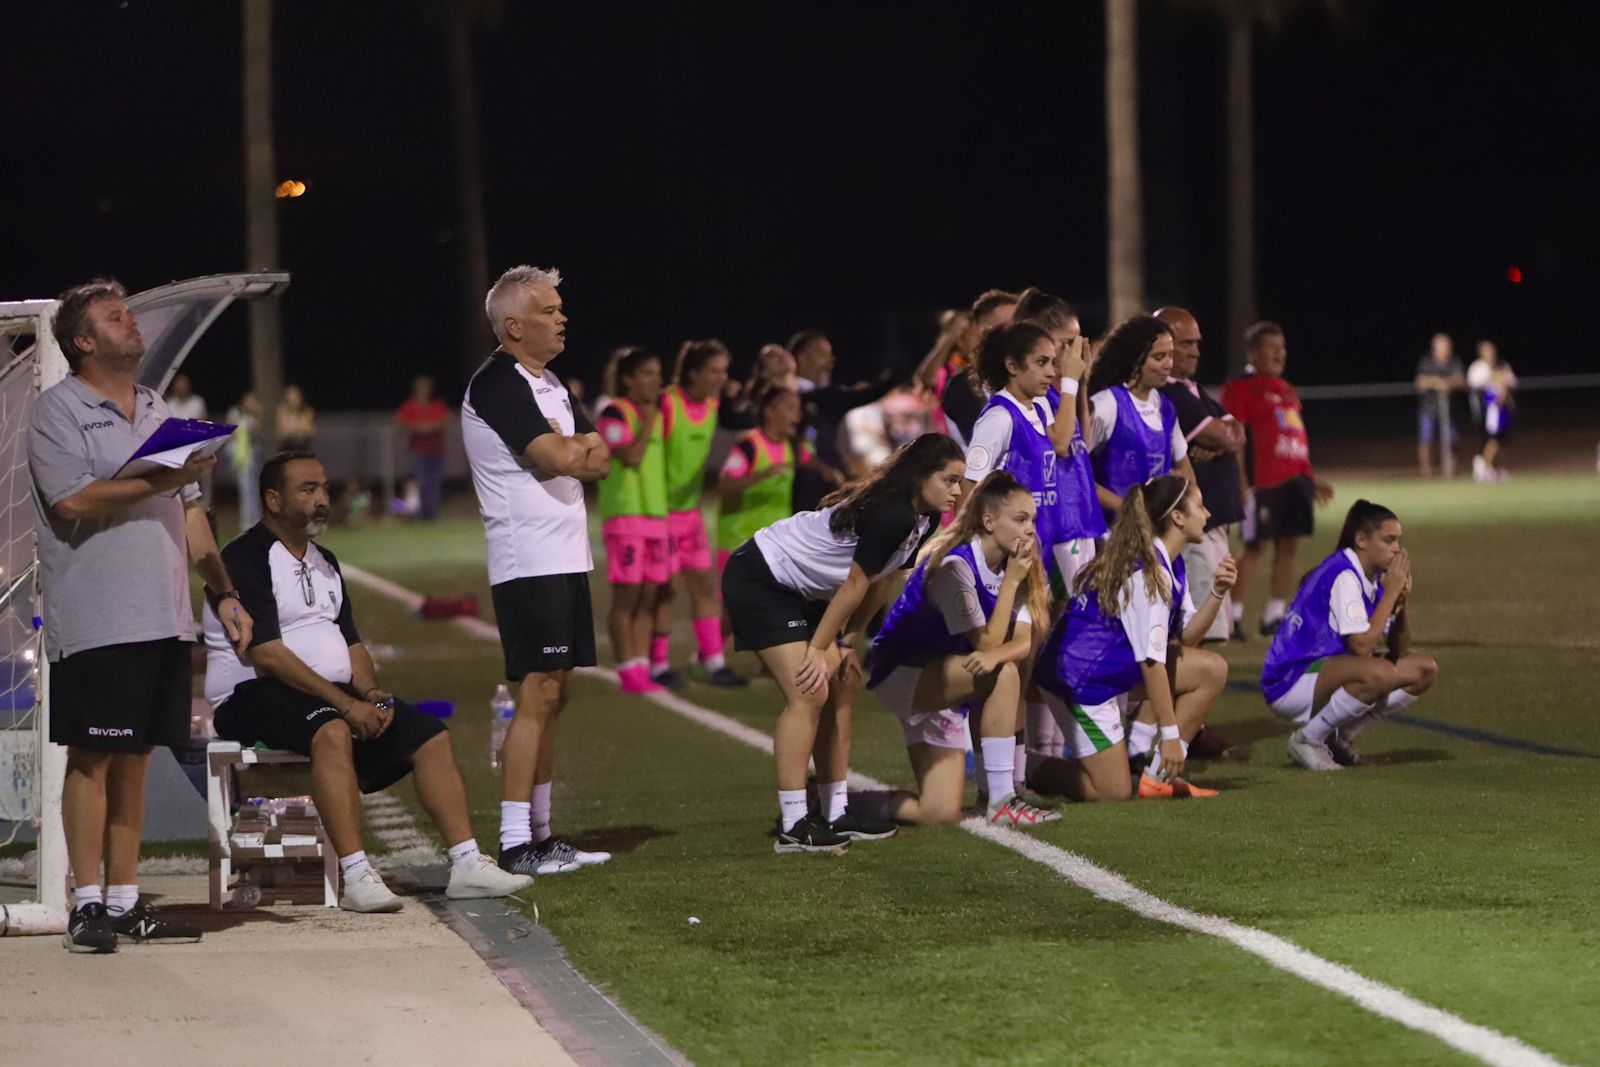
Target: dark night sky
x=746, y=171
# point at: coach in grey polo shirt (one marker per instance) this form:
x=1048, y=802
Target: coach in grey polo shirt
x=114, y=555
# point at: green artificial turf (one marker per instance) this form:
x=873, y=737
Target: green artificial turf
x=1457, y=871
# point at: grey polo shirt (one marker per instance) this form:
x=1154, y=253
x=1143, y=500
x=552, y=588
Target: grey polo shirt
x=114, y=580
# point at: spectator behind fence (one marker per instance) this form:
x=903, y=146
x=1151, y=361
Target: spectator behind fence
x=296, y=421
x=114, y=553
x=244, y=455
x=1438, y=376
x=311, y=688
x=1283, y=486
x=425, y=418
x=1493, y=386
x=182, y=401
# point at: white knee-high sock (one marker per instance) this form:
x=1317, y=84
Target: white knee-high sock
x=1141, y=737
x=1396, y=701
x=514, y=828
x=998, y=752
x=1340, y=709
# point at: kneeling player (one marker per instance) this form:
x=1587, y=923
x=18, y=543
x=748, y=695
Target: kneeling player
x=1112, y=643
x=311, y=688
x=1343, y=657
x=957, y=636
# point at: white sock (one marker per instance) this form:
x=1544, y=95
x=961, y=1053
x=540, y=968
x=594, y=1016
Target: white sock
x=1274, y=610
x=465, y=855
x=1019, y=762
x=835, y=796
x=514, y=828
x=714, y=663
x=638, y=663
x=1399, y=700
x=539, y=813
x=998, y=753
x=1396, y=701
x=120, y=899
x=1238, y=611
x=352, y=865
x=791, y=806
x=1340, y=709
x=87, y=894
x=1155, y=760
x=1141, y=737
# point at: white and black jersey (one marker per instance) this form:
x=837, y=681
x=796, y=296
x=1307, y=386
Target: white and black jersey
x=301, y=602
x=806, y=556
x=535, y=523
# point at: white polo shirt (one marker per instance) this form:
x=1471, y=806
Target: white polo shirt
x=301, y=602
x=535, y=523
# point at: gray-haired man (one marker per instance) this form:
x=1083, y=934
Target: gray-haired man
x=531, y=452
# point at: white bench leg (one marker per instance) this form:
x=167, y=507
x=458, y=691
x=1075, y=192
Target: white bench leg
x=219, y=795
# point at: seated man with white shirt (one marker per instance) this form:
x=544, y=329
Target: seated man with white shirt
x=308, y=685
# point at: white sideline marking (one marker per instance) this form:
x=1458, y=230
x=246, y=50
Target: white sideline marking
x=1481, y=1042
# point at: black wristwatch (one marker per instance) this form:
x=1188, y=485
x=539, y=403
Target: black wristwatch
x=227, y=594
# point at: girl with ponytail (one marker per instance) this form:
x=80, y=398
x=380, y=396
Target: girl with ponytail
x=800, y=593
x=1130, y=604
x=957, y=638
x=1342, y=657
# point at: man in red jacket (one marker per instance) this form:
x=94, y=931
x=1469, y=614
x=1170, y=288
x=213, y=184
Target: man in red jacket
x=1283, y=487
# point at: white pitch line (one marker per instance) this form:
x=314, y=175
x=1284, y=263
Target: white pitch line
x=1480, y=1042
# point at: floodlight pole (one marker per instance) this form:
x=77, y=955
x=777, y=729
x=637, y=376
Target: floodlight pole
x=261, y=218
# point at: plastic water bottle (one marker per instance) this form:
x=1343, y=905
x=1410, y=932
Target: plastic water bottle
x=501, y=710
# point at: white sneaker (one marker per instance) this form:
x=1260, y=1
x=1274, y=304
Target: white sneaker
x=1311, y=756
x=484, y=879
x=1480, y=470
x=367, y=893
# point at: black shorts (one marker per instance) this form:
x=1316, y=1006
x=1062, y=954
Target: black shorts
x=546, y=624
x=122, y=698
x=765, y=613
x=1284, y=510
x=267, y=712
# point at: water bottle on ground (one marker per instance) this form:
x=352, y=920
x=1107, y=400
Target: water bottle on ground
x=501, y=710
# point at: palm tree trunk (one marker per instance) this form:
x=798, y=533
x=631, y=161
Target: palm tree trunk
x=474, y=244
x=1242, y=309
x=261, y=214
x=1124, y=197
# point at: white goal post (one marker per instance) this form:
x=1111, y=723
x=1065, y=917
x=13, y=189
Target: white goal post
x=31, y=777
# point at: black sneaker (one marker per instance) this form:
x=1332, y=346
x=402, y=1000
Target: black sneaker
x=1238, y=631
x=810, y=834
x=89, y=930
x=558, y=856
x=1137, y=764
x=520, y=859
x=1269, y=629
x=859, y=828
x=724, y=677
x=141, y=925
x=1344, y=750
x=669, y=678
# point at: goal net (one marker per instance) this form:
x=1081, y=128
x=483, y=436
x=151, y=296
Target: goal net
x=33, y=869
